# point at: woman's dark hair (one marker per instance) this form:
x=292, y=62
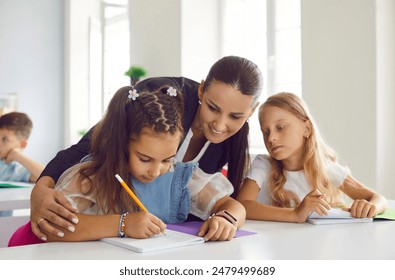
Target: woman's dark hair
x=124, y=120
x=244, y=75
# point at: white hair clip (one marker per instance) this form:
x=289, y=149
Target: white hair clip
x=171, y=91
x=133, y=94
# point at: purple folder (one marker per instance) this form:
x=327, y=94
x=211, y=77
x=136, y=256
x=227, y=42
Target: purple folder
x=193, y=227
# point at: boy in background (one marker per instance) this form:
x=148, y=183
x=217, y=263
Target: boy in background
x=15, y=129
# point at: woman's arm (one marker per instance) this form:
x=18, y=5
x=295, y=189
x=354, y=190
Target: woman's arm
x=367, y=203
x=259, y=211
x=48, y=204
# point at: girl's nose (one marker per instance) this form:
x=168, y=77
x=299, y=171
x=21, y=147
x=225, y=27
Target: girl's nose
x=154, y=171
x=272, y=137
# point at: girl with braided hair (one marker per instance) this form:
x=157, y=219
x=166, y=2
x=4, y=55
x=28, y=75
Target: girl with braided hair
x=215, y=122
x=138, y=138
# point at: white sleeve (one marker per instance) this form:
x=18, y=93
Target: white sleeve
x=205, y=190
x=68, y=186
x=337, y=174
x=259, y=170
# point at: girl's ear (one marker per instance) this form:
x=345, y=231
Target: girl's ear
x=200, y=90
x=308, y=129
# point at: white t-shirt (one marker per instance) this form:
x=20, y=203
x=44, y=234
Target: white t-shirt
x=296, y=180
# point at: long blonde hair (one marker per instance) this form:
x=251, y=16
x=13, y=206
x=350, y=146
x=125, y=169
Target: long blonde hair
x=316, y=155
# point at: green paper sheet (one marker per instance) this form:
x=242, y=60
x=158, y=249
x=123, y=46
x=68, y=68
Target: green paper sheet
x=388, y=214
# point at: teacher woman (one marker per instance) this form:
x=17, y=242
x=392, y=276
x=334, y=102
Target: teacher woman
x=215, y=120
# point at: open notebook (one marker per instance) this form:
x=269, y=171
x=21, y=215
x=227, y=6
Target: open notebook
x=172, y=239
x=335, y=216
x=338, y=216
x=177, y=235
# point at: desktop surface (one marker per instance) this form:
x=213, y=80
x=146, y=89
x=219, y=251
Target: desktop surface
x=273, y=241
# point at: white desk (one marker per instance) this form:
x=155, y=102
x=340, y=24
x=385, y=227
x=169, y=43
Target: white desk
x=14, y=198
x=15, y=202
x=274, y=241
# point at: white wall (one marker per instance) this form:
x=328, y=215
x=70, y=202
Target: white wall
x=200, y=37
x=76, y=44
x=31, y=64
x=167, y=37
x=340, y=83
x=348, y=65
x=155, y=36
x=385, y=96
x=343, y=66
x=44, y=58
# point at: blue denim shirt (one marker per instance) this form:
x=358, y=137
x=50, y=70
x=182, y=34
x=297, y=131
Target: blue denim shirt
x=167, y=197
x=13, y=171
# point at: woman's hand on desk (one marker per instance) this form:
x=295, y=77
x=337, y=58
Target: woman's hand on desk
x=49, y=205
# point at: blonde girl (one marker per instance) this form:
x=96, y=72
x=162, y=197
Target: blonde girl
x=300, y=175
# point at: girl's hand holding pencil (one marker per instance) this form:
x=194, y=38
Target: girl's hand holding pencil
x=143, y=225
x=140, y=224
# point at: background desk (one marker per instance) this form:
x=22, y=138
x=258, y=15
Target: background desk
x=274, y=241
x=13, y=200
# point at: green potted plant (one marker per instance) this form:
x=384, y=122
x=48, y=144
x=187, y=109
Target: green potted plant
x=135, y=73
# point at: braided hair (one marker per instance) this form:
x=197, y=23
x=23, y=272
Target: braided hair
x=127, y=115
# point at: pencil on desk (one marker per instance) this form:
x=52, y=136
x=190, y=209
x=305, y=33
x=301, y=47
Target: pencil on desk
x=132, y=195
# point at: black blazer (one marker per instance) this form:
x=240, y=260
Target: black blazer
x=212, y=161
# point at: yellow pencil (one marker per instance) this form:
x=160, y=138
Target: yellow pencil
x=132, y=195
x=129, y=191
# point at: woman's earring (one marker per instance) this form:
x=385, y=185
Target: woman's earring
x=200, y=102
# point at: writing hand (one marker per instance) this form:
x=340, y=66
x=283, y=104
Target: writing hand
x=143, y=225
